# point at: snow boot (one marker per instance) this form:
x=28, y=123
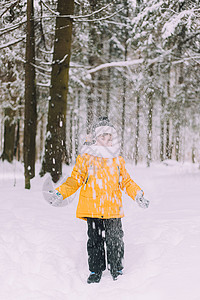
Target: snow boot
x=94, y=277
x=115, y=274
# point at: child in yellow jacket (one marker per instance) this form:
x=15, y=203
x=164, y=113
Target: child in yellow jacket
x=101, y=174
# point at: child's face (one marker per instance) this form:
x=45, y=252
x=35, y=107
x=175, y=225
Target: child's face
x=104, y=139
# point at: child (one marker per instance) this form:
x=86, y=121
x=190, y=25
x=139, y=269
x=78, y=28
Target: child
x=101, y=173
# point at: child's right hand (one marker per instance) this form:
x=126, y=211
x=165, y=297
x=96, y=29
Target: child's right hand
x=55, y=198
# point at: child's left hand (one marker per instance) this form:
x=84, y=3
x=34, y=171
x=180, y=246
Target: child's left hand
x=141, y=201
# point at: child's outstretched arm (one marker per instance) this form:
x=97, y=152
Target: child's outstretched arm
x=126, y=183
x=130, y=187
x=72, y=184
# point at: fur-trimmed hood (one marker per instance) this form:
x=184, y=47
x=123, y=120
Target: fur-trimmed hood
x=101, y=151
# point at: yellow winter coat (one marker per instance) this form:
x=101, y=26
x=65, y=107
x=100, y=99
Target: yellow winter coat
x=100, y=180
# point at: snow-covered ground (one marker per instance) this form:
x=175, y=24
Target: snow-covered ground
x=43, y=249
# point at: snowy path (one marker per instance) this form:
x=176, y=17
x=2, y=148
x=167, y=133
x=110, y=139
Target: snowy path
x=43, y=249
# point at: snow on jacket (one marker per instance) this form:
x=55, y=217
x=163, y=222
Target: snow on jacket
x=100, y=180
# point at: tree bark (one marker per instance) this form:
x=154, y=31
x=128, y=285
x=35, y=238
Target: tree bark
x=149, y=129
x=30, y=119
x=99, y=94
x=167, y=145
x=92, y=60
x=177, y=141
x=162, y=118
x=108, y=84
x=56, y=137
x=137, y=129
x=193, y=154
x=41, y=136
x=77, y=123
x=124, y=79
x=17, y=143
x=9, y=135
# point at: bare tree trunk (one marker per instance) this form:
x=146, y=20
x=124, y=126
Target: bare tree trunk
x=177, y=141
x=137, y=129
x=17, y=150
x=193, y=154
x=149, y=129
x=123, y=114
x=77, y=123
x=9, y=135
x=108, y=85
x=178, y=116
x=10, y=118
x=92, y=60
x=99, y=94
x=17, y=146
x=56, y=137
x=90, y=105
x=71, y=137
x=162, y=118
x=124, y=79
x=167, y=143
x=171, y=146
x=180, y=82
x=167, y=146
x=30, y=119
x=41, y=136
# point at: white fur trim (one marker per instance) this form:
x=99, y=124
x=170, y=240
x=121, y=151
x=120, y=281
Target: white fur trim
x=101, y=151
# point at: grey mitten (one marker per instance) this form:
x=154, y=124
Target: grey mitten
x=55, y=198
x=52, y=196
x=141, y=201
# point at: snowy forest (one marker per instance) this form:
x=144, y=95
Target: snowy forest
x=64, y=63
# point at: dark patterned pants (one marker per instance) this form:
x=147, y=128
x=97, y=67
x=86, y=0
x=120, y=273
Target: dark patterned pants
x=101, y=232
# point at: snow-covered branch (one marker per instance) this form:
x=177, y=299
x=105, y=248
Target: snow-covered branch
x=63, y=59
x=186, y=59
x=170, y=26
x=12, y=43
x=9, y=7
x=135, y=62
x=40, y=68
x=43, y=62
x=100, y=19
x=158, y=58
x=11, y=28
x=52, y=11
x=118, y=24
x=78, y=18
x=43, y=84
x=146, y=12
x=46, y=52
x=93, y=13
x=76, y=66
x=75, y=17
x=116, y=64
x=50, y=63
x=43, y=74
